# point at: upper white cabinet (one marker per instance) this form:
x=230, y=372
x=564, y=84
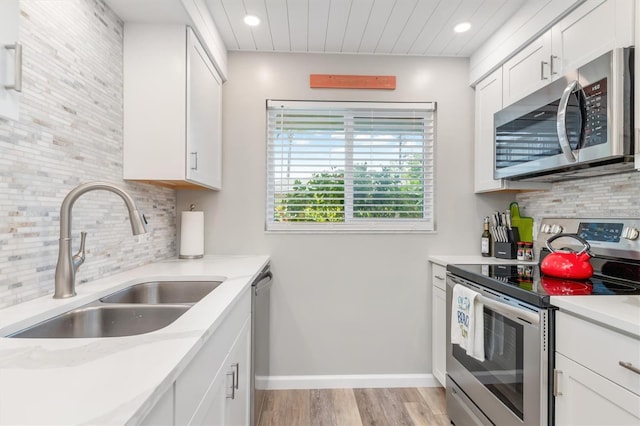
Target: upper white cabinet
x=528, y=70
x=10, y=60
x=172, y=108
x=488, y=102
x=591, y=30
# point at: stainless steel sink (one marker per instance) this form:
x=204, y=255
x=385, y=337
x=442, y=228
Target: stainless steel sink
x=97, y=320
x=140, y=308
x=159, y=292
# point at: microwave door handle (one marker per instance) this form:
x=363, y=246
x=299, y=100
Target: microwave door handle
x=561, y=124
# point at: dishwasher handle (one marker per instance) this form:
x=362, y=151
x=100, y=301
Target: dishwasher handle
x=262, y=282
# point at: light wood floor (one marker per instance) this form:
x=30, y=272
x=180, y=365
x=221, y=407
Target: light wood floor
x=355, y=407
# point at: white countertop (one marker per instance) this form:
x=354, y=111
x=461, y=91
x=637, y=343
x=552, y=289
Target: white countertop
x=114, y=380
x=618, y=312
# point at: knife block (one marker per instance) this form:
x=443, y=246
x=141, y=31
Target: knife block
x=505, y=250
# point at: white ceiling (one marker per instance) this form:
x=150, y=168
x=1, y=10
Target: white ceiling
x=396, y=27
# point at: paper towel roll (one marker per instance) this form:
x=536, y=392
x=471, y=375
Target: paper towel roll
x=192, y=235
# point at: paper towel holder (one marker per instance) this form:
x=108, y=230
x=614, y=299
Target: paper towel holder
x=194, y=240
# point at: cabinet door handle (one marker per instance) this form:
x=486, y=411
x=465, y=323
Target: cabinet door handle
x=556, y=385
x=17, y=67
x=629, y=366
x=236, y=376
x=194, y=163
x=233, y=385
x=551, y=64
x=542, y=64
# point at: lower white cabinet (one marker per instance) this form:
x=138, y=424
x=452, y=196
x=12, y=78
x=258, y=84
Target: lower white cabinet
x=591, y=387
x=438, y=322
x=587, y=398
x=227, y=401
x=215, y=388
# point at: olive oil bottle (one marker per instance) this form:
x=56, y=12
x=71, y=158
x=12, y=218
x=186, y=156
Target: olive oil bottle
x=486, y=243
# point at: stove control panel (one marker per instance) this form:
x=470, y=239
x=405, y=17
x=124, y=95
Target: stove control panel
x=612, y=237
x=554, y=228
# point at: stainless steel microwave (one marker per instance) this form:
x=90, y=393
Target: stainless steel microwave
x=579, y=125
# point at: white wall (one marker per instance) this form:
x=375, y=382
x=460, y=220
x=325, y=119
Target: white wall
x=344, y=303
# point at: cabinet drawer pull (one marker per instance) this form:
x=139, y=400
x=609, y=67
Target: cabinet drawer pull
x=551, y=64
x=542, y=64
x=556, y=386
x=236, y=376
x=439, y=277
x=629, y=366
x=17, y=73
x=233, y=385
x=195, y=161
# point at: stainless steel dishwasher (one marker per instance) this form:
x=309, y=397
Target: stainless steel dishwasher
x=260, y=295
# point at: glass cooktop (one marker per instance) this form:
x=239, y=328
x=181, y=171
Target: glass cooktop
x=525, y=282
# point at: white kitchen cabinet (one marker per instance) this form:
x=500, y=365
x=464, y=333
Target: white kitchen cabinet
x=202, y=388
x=162, y=413
x=489, y=101
x=439, y=322
x=172, y=108
x=590, y=385
x=589, y=31
x=227, y=402
x=586, y=398
x=528, y=70
x=10, y=59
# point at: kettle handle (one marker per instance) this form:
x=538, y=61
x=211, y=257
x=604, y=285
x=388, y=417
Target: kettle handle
x=582, y=241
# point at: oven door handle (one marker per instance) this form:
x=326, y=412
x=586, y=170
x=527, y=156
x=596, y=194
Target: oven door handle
x=510, y=311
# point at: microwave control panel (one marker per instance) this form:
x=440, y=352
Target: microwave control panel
x=596, y=108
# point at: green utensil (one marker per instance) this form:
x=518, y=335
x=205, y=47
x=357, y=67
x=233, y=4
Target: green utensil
x=524, y=224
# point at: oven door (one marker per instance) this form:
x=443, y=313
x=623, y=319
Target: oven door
x=511, y=386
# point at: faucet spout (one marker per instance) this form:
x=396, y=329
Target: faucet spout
x=67, y=264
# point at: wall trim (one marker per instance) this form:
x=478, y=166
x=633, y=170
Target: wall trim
x=347, y=381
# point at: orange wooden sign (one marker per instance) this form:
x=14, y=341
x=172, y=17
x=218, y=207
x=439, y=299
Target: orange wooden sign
x=333, y=81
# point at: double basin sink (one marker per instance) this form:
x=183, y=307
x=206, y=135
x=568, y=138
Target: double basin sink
x=138, y=309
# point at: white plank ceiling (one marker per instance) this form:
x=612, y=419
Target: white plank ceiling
x=392, y=27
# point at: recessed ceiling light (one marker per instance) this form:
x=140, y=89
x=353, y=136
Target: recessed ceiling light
x=252, y=20
x=462, y=27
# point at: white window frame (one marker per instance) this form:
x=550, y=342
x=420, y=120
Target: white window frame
x=380, y=225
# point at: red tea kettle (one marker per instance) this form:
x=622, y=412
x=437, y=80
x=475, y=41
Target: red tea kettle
x=566, y=263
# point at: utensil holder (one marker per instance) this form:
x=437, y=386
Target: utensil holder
x=514, y=235
x=505, y=250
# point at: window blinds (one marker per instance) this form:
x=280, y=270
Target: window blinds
x=350, y=165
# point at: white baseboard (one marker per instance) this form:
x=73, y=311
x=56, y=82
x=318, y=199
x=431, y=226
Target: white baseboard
x=348, y=381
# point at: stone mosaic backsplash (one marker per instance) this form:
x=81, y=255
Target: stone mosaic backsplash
x=70, y=132
x=605, y=196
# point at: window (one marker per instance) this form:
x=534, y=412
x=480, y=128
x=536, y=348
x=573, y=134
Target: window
x=350, y=166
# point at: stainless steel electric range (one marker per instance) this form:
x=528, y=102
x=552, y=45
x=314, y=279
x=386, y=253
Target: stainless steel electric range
x=512, y=385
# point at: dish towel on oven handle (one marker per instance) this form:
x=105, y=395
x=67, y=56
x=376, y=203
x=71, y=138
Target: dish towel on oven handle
x=467, y=321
